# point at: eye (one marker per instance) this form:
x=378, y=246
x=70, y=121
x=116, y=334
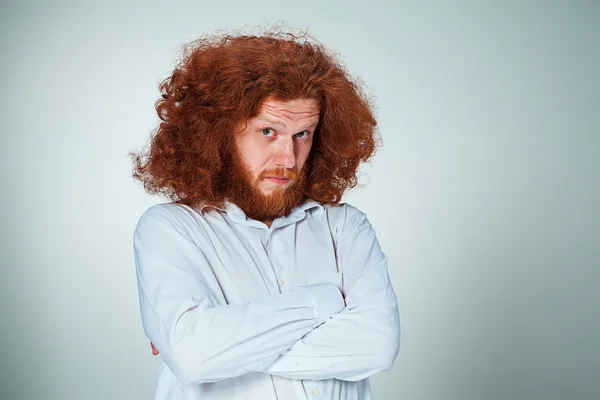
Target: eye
x=302, y=135
x=268, y=132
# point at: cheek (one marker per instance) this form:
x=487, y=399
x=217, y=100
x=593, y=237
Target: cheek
x=254, y=154
x=303, y=153
x=259, y=161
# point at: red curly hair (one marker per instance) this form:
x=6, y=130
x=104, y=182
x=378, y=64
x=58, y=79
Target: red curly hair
x=222, y=81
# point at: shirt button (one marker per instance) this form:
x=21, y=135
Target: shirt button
x=280, y=282
x=316, y=391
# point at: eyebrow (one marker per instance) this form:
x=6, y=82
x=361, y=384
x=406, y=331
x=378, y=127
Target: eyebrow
x=283, y=124
x=273, y=122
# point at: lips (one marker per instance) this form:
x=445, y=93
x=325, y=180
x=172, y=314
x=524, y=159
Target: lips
x=278, y=176
x=278, y=179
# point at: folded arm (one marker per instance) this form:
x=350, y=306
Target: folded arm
x=362, y=339
x=184, y=314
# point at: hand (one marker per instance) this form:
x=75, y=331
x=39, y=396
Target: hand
x=154, y=351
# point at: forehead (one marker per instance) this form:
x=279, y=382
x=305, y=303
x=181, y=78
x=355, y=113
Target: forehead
x=290, y=110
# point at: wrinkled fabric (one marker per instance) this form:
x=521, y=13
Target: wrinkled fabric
x=303, y=309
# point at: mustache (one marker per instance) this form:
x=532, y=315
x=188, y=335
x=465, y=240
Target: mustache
x=279, y=172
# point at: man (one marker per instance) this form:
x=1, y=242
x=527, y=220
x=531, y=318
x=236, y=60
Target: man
x=255, y=282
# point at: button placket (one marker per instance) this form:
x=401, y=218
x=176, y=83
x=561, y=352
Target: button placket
x=273, y=257
x=267, y=242
x=280, y=255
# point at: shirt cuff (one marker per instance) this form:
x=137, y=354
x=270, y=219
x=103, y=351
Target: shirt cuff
x=327, y=298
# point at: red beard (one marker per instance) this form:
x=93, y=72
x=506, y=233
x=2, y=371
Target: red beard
x=242, y=190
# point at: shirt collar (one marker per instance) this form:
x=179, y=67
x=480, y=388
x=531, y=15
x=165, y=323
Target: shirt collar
x=238, y=215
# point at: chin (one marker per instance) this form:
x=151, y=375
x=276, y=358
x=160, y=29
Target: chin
x=272, y=192
x=269, y=191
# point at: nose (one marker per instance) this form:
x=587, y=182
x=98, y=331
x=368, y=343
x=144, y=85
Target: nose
x=285, y=156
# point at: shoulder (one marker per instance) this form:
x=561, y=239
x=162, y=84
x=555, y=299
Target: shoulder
x=342, y=211
x=343, y=218
x=166, y=216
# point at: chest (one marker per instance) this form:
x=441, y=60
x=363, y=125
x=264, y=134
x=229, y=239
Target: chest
x=249, y=262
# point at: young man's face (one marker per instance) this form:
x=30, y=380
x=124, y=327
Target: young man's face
x=275, y=145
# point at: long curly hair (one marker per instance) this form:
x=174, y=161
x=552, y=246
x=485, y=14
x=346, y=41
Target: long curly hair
x=220, y=82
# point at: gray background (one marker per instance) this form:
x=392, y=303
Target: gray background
x=485, y=195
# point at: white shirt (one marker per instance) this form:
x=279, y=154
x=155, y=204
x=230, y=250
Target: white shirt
x=301, y=310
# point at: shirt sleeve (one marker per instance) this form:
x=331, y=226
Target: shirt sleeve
x=364, y=338
x=199, y=336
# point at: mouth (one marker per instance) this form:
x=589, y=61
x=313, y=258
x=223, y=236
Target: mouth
x=279, y=180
